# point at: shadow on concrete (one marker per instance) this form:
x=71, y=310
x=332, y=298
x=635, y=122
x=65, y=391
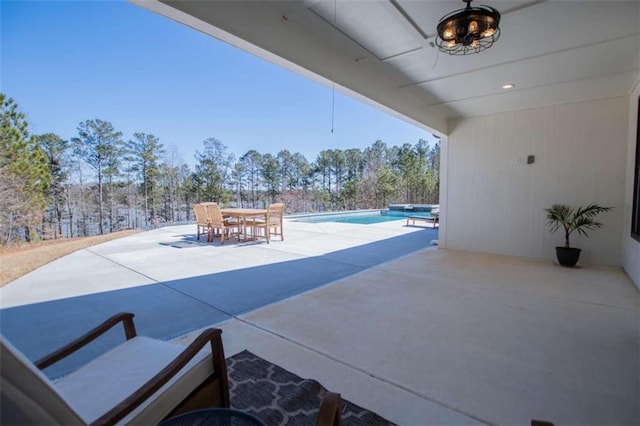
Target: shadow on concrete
x=190, y=241
x=170, y=309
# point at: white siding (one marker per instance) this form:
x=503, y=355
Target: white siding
x=631, y=247
x=494, y=202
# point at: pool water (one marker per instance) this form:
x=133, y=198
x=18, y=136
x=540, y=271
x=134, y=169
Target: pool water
x=361, y=219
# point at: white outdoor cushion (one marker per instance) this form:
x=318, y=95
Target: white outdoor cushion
x=104, y=382
x=27, y=395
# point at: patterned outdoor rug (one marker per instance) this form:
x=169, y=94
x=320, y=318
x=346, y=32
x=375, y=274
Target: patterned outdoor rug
x=279, y=397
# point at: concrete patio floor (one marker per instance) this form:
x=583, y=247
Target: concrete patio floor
x=419, y=335
x=175, y=284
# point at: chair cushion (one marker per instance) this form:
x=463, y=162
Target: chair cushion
x=100, y=385
x=27, y=394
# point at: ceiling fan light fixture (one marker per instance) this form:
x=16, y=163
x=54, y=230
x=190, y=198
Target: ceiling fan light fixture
x=488, y=32
x=468, y=30
x=448, y=34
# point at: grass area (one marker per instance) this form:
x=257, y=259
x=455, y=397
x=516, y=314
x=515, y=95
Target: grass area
x=17, y=260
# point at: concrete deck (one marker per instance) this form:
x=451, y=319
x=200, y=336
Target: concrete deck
x=175, y=284
x=419, y=335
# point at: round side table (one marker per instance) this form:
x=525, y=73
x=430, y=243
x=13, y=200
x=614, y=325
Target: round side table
x=213, y=417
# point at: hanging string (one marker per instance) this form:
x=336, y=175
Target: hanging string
x=333, y=77
x=435, y=62
x=333, y=105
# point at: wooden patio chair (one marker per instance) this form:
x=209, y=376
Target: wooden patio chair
x=226, y=227
x=272, y=225
x=202, y=220
x=330, y=413
x=141, y=381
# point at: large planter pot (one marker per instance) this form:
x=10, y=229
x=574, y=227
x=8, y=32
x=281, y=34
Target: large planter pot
x=568, y=256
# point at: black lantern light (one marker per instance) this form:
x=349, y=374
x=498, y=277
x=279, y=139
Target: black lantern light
x=468, y=30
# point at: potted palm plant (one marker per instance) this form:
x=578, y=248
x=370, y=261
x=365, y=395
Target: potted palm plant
x=580, y=220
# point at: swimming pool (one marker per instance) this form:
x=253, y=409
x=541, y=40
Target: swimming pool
x=360, y=218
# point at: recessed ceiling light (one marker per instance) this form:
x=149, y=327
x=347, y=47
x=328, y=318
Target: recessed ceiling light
x=509, y=86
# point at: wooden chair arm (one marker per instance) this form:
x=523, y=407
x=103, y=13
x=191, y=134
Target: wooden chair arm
x=129, y=330
x=212, y=335
x=330, y=413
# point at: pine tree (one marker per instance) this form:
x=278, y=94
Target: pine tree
x=24, y=174
x=55, y=148
x=101, y=147
x=145, y=153
x=213, y=170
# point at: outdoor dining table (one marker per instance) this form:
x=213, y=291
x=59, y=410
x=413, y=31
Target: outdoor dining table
x=241, y=214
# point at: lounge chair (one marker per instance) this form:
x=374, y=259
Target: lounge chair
x=141, y=381
x=433, y=219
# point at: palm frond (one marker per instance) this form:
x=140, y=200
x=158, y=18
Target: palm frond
x=583, y=224
x=557, y=215
x=580, y=219
x=591, y=211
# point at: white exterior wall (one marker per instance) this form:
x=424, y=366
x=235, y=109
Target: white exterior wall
x=492, y=201
x=631, y=247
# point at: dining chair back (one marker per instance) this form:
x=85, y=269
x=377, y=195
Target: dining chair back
x=202, y=220
x=214, y=214
x=275, y=213
x=218, y=224
x=271, y=224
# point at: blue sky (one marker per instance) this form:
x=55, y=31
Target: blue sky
x=66, y=62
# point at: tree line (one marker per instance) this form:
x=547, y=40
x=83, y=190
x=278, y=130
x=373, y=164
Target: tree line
x=99, y=182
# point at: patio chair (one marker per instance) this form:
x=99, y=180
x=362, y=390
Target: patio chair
x=141, y=381
x=202, y=220
x=218, y=224
x=330, y=413
x=273, y=223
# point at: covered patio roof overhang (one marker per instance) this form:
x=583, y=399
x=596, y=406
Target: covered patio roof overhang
x=384, y=52
x=575, y=66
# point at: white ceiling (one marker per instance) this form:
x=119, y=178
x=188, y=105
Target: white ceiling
x=382, y=51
